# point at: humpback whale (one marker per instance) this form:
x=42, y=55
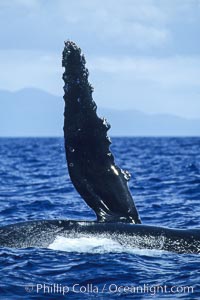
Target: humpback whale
x=97, y=178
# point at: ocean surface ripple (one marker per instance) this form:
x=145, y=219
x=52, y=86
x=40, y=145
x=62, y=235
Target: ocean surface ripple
x=35, y=184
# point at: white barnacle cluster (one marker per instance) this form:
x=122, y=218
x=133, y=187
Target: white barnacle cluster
x=104, y=122
x=66, y=53
x=126, y=174
x=71, y=149
x=69, y=47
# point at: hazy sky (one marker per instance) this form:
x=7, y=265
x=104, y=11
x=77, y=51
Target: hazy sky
x=141, y=54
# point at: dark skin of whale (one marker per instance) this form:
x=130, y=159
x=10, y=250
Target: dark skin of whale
x=92, y=169
x=42, y=233
x=96, y=177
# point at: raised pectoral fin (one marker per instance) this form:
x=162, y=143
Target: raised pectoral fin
x=92, y=169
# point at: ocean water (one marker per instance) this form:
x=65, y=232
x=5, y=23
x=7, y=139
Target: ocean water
x=34, y=184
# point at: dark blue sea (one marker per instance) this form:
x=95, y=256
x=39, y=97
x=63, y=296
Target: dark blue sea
x=34, y=184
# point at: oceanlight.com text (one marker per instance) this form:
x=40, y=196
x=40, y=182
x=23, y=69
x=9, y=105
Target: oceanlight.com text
x=77, y=288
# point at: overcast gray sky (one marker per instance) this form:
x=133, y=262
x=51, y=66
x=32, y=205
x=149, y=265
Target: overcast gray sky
x=141, y=54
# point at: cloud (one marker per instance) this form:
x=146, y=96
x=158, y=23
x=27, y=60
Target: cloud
x=144, y=52
x=36, y=24
x=20, y=69
x=170, y=72
x=135, y=23
x=31, y=4
x=149, y=84
x=147, y=27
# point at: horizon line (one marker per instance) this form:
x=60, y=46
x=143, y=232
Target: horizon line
x=112, y=136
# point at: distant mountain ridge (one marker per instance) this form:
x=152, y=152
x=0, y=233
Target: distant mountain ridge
x=34, y=112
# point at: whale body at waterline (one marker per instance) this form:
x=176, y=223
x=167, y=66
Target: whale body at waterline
x=96, y=177
x=42, y=233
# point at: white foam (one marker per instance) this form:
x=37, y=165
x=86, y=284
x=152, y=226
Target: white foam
x=85, y=244
x=92, y=244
